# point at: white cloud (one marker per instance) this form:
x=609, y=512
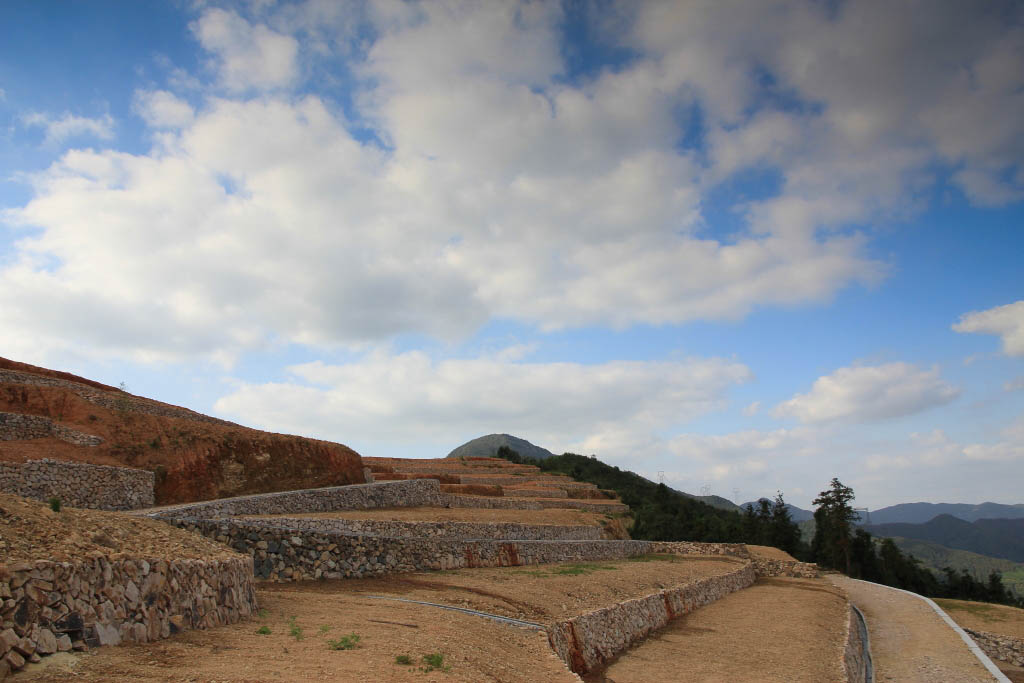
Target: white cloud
x=752, y=408
x=247, y=56
x=410, y=398
x=1006, y=321
x=868, y=393
x=501, y=189
x=161, y=109
x=60, y=129
x=1010, y=445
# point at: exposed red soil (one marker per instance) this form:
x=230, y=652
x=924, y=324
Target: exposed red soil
x=194, y=457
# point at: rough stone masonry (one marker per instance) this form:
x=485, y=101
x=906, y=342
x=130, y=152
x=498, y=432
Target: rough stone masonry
x=98, y=487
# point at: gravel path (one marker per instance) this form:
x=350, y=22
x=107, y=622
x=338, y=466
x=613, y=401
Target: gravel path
x=909, y=641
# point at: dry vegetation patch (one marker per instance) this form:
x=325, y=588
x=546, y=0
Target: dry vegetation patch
x=984, y=616
x=31, y=530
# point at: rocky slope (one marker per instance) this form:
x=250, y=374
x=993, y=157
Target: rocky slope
x=46, y=413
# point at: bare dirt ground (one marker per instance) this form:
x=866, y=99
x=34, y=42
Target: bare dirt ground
x=777, y=630
x=473, y=648
x=909, y=641
x=984, y=616
x=558, y=516
x=30, y=530
x=769, y=553
x=304, y=618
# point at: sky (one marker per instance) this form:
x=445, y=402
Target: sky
x=743, y=247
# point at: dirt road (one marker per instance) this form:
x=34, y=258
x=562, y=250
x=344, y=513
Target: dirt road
x=909, y=642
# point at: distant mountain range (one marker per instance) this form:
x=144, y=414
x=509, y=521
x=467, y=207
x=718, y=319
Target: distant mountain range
x=795, y=513
x=993, y=537
x=713, y=501
x=937, y=557
x=918, y=513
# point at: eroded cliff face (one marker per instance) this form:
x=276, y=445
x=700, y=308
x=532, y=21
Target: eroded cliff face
x=194, y=456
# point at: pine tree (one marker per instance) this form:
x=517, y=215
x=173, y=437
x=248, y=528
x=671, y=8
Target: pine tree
x=834, y=519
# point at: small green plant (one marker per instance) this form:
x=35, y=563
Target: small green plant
x=434, y=661
x=403, y=659
x=154, y=443
x=55, y=504
x=263, y=630
x=348, y=642
x=262, y=614
x=325, y=628
x=294, y=629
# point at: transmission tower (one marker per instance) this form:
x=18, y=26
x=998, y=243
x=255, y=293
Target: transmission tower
x=705, y=490
x=736, y=495
x=661, y=476
x=866, y=517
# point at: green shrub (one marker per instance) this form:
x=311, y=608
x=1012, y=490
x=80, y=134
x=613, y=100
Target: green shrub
x=263, y=630
x=403, y=659
x=294, y=629
x=434, y=661
x=348, y=642
x=55, y=504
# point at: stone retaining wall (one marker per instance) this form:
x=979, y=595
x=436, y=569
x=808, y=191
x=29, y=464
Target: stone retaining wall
x=796, y=570
x=700, y=548
x=283, y=554
x=78, y=484
x=385, y=494
x=1003, y=648
x=588, y=641
x=456, y=501
x=526, y=491
x=463, y=530
x=18, y=427
x=589, y=506
x=58, y=606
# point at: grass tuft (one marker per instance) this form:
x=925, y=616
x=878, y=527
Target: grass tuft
x=349, y=642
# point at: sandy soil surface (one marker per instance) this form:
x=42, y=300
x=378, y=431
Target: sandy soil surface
x=770, y=553
x=742, y=638
x=544, y=593
x=984, y=616
x=560, y=516
x=475, y=648
x=30, y=530
x=909, y=641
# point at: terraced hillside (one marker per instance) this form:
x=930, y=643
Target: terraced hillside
x=50, y=414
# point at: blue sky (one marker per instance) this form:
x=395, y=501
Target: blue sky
x=750, y=246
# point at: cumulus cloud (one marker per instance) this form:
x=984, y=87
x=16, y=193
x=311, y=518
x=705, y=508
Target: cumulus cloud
x=1010, y=445
x=479, y=179
x=68, y=125
x=869, y=393
x=411, y=398
x=1005, y=321
x=161, y=109
x=247, y=56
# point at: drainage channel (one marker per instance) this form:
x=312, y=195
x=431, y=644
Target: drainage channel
x=496, y=617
